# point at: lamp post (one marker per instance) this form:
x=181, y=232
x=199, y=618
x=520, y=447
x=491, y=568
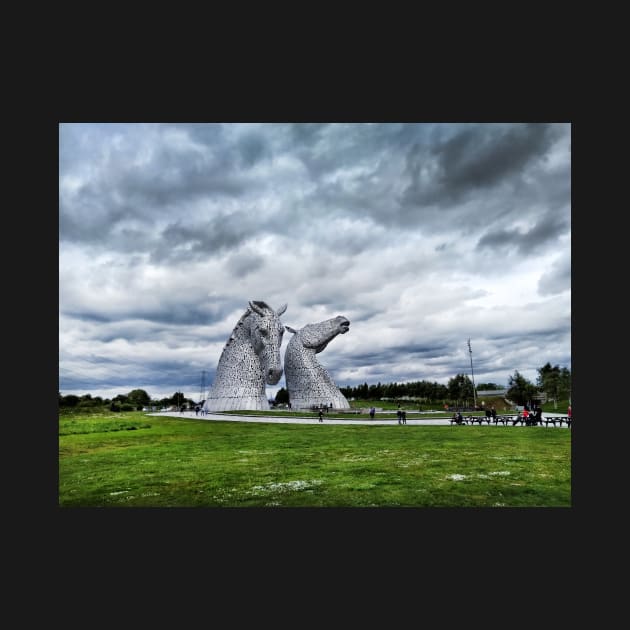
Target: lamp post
x=473, y=375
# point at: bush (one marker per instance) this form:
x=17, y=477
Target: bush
x=127, y=407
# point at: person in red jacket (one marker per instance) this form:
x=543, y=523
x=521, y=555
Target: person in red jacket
x=569, y=416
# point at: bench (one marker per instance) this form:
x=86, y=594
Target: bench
x=513, y=419
x=559, y=419
x=479, y=419
x=503, y=419
x=546, y=419
x=453, y=421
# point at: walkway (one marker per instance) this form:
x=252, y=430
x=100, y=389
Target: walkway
x=434, y=422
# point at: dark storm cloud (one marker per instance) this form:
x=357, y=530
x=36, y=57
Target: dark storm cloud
x=168, y=177
x=252, y=148
x=327, y=148
x=209, y=134
x=307, y=134
x=245, y=263
x=156, y=377
x=545, y=232
x=176, y=176
x=133, y=319
x=476, y=158
x=201, y=239
x=479, y=158
x=456, y=177
x=394, y=354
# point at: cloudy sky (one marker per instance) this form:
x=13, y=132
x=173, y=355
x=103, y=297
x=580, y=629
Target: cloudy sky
x=424, y=235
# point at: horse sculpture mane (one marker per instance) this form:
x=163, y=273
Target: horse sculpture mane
x=308, y=383
x=249, y=361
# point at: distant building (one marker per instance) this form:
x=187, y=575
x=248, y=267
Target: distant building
x=493, y=392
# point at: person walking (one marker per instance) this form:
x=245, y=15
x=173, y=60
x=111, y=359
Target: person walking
x=321, y=415
x=399, y=414
x=569, y=416
x=403, y=416
x=372, y=412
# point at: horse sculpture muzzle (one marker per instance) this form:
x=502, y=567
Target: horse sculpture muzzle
x=273, y=375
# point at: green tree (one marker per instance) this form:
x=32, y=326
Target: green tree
x=555, y=382
x=70, y=401
x=460, y=389
x=176, y=399
x=520, y=390
x=87, y=401
x=138, y=398
x=565, y=383
x=376, y=391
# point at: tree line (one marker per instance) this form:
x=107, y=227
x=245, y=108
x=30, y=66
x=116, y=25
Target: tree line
x=554, y=382
x=134, y=400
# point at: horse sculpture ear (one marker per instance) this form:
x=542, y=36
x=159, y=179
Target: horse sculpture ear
x=281, y=310
x=257, y=307
x=291, y=330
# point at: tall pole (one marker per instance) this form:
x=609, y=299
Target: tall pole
x=473, y=375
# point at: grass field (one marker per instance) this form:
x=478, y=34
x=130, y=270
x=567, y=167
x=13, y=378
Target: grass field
x=134, y=460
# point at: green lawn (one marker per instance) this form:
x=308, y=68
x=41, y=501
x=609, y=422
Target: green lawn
x=134, y=460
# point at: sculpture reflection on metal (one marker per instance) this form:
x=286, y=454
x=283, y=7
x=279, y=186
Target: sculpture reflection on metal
x=249, y=361
x=308, y=383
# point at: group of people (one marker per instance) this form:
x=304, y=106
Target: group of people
x=402, y=416
x=458, y=418
x=529, y=418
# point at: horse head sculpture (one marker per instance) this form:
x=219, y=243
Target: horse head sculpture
x=249, y=361
x=266, y=333
x=308, y=383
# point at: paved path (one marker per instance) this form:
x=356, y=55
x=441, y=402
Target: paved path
x=279, y=419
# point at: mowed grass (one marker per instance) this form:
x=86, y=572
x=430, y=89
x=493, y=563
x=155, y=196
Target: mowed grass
x=134, y=460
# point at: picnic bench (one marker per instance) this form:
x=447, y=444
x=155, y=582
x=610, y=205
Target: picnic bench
x=454, y=421
x=546, y=419
x=503, y=419
x=479, y=419
x=559, y=419
x=514, y=419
